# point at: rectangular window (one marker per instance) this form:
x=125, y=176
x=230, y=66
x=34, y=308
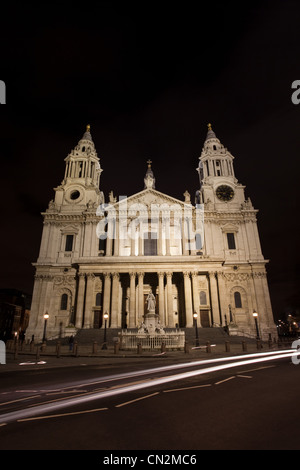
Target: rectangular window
x=198, y=241
x=69, y=243
x=150, y=245
x=231, y=241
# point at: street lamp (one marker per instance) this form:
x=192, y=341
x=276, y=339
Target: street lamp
x=46, y=316
x=195, y=315
x=255, y=316
x=105, y=316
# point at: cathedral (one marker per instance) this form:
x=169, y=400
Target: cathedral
x=199, y=255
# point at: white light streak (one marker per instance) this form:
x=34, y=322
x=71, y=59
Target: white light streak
x=43, y=409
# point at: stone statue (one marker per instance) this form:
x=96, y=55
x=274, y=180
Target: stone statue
x=151, y=301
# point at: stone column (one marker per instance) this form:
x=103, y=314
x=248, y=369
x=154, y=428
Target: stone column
x=88, y=320
x=140, y=312
x=117, y=238
x=109, y=240
x=80, y=300
x=140, y=242
x=196, y=299
x=132, y=322
x=132, y=241
x=170, y=319
x=224, y=302
x=115, y=300
x=159, y=241
x=188, y=300
x=106, y=295
x=161, y=300
x=214, y=297
x=166, y=222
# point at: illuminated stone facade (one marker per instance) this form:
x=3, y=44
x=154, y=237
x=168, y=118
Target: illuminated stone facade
x=199, y=256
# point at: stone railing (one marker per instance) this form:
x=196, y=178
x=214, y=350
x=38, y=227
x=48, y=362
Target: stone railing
x=171, y=340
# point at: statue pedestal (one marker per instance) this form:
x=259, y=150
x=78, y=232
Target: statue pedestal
x=151, y=322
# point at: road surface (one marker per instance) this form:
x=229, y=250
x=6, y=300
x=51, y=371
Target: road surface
x=248, y=402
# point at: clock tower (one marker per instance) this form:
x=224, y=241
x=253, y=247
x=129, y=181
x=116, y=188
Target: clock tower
x=218, y=184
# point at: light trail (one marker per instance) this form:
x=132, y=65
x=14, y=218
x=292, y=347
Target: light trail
x=128, y=375
x=46, y=408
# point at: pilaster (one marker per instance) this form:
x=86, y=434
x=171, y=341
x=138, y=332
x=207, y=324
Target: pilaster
x=188, y=299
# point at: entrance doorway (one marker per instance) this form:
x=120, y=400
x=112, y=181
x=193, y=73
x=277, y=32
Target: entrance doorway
x=204, y=317
x=98, y=318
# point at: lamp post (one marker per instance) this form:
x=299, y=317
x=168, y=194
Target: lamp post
x=255, y=316
x=195, y=315
x=105, y=316
x=46, y=316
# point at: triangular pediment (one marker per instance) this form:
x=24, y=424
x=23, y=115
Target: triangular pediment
x=150, y=197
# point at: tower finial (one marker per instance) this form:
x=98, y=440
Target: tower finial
x=149, y=179
x=88, y=128
x=209, y=126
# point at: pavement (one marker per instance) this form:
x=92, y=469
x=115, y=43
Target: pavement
x=49, y=357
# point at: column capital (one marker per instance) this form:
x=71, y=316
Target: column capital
x=107, y=274
x=140, y=273
x=169, y=274
x=116, y=275
x=161, y=274
x=212, y=274
x=132, y=274
x=90, y=276
x=186, y=273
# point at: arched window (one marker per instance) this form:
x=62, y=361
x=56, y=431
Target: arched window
x=237, y=300
x=203, y=300
x=64, y=302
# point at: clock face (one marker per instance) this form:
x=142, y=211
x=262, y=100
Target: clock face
x=225, y=193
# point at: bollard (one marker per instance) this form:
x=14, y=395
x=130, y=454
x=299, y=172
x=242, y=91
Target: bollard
x=75, y=349
x=163, y=347
x=258, y=344
x=139, y=348
x=244, y=345
x=186, y=348
x=43, y=347
x=116, y=347
x=208, y=347
x=95, y=347
x=270, y=343
x=227, y=346
x=31, y=346
x=58, y=349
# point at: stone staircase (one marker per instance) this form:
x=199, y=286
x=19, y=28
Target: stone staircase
x=213, y=335
x=91, y=335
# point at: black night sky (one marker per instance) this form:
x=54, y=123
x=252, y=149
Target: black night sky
x=148, y=79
